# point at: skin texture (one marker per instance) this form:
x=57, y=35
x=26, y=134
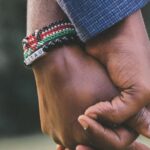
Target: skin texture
x=42, y=13
x=68, y=82
x=125, y=52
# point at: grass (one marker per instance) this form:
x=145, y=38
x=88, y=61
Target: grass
x=144, y=141
x=31, y=142
x=37, y=142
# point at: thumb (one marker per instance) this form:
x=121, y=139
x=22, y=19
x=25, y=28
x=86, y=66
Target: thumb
x=116, y=111
x=104, y=138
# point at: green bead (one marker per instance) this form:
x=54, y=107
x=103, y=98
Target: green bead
x=25, y=55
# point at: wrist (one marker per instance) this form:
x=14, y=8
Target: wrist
x=50, y=60
x=48, y=38
x=55, y=59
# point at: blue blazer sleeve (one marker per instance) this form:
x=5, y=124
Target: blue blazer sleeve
x=91, y=17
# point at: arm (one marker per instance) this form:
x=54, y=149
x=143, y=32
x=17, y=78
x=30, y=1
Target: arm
x=67, y=79
x=41, y=13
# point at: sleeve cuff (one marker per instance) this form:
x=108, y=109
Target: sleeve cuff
x=92, y=17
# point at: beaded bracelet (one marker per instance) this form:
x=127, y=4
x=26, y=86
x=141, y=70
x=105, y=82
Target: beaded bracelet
x=42, y=41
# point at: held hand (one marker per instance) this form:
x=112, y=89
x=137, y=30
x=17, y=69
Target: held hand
x=102, y=138
x=114, y=139
x=125, y=52
x=68, y=82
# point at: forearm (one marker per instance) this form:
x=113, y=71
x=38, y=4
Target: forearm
x=41, y=13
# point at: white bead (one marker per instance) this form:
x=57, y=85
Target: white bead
x=39, y=53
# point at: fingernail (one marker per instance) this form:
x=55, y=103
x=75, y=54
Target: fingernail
x=83, y=123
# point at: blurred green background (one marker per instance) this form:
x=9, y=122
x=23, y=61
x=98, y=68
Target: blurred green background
x=19, y=118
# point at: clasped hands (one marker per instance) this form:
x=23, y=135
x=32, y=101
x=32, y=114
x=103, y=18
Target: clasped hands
x=109, y=83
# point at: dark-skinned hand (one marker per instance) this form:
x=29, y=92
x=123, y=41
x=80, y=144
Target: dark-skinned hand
x=124, y=51
x=100, y=136
x=68, y=82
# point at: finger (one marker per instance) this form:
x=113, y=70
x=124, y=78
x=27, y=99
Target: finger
x=103, y=111
x=119, y=111
x=60, y=147
x=116, y=111
x=82, y=147
x=103, y=138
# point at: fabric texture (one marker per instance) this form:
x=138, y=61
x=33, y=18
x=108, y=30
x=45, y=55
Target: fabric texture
x=91, y=17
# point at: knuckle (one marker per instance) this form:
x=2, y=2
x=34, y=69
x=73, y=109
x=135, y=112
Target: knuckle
x=105, y=107
x=112, y=112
